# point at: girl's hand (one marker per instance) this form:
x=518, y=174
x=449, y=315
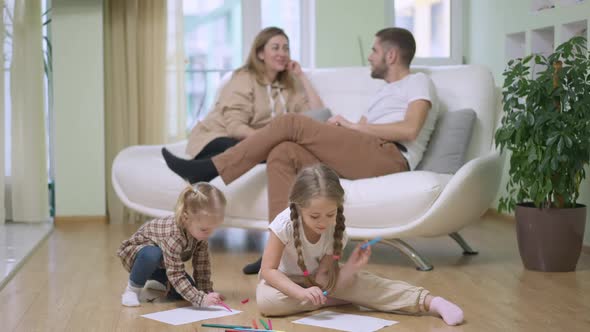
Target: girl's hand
x=294, y=68
x=314, y=295
x=359, y=257
x=213, y=299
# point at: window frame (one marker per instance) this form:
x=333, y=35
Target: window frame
x=457, y=56
x=252, y=24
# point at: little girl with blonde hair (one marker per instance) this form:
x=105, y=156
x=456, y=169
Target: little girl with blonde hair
x=300, y=265
x=159, y=248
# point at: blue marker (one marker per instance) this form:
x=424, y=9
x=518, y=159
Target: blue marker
x=325, y=293
x=370, y=243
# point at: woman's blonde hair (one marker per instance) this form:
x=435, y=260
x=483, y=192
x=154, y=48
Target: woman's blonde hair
x=314, y=182
x=199, y=197
x=256, y=66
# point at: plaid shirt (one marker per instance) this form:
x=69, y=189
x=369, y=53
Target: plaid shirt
x=176, y=244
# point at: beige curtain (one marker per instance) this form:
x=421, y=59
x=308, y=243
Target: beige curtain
x=30, y=197
x=141, y=94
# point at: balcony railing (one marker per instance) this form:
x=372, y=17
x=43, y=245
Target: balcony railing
x=200, y=89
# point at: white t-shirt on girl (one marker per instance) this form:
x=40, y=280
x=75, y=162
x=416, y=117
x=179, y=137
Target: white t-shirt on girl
x=282, y=227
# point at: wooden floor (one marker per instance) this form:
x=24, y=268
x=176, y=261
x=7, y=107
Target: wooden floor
x=74, y=282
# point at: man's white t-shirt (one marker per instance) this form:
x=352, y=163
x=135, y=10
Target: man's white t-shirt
x=282, y=227
x=391, y=104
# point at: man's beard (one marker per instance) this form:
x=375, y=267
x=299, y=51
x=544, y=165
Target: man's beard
x=380, y=70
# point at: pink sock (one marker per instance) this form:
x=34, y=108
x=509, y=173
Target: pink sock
x=450, y=312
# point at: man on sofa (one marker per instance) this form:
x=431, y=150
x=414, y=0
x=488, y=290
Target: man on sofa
x=390, y=137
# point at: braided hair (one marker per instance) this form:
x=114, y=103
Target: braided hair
x=313, y=182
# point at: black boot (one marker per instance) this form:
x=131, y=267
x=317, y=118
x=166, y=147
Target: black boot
x=252, y=268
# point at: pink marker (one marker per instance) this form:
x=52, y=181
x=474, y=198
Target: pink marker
x=225, y=306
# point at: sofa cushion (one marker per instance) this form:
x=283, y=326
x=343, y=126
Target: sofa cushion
x=319, y=114
x=385, y=201
x=449, y=142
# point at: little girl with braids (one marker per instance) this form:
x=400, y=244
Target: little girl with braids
x=300, y=264
x=158, y=250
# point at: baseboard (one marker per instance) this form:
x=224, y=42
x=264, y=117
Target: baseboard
x=68, y=220
x=493, y=213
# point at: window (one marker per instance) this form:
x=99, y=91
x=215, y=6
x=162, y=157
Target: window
x=436, y=25
x=285, y=14
x=213, y=47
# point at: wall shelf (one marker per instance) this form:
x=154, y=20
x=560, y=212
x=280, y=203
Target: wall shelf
x=515, y=45
x=572, y=29
x=538, y=6
x=543, y=40
x=543, y=43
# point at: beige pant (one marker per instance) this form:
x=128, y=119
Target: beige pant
x=367, y=290
x=291, y=142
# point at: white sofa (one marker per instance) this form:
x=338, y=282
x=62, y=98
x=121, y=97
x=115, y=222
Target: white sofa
x=410, y=204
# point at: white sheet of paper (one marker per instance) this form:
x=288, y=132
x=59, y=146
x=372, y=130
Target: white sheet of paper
x=190, y=314
x=345, y=322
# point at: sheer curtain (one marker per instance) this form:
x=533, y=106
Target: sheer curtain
x=29, y=180
x=143, y=80
x=2, y=122
x=175, y=75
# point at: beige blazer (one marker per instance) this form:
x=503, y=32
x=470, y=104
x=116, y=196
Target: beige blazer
x=244, y=102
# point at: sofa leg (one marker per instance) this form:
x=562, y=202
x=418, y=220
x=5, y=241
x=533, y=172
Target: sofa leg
x=466, y=248
x=422, y=264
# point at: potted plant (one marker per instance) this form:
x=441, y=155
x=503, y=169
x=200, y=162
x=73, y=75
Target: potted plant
x=546, y=128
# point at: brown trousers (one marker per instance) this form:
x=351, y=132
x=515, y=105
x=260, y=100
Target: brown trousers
x=367, y=290
x=291, y=142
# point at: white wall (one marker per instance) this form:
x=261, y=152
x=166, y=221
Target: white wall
x=77, y=37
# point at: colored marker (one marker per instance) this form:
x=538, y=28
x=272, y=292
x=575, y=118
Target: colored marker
x=254, y=323
x=225, y=306
x=264, y=324
x=224, y=326
x=252, y=330
x=370, y=243
x=257, y=330
x=269, y=324
x=304, y=302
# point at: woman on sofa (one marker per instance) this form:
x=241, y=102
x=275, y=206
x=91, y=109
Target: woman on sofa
x=267, y=85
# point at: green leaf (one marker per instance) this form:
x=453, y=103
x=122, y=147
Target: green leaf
x=560, y=146
x=532, y=156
